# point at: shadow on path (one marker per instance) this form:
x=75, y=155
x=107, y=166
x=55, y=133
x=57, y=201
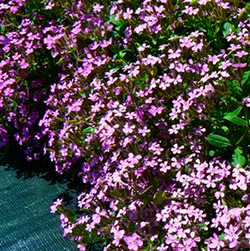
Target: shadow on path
x=27, y=190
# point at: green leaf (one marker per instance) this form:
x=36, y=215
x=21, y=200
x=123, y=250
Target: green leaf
x=122, y=53
x=60, y=209
x=2, y=28
x=235, y=113
x=202, y=225
x=227, y=29
x=232, y=117
x=218, y=141
x=225, y=129
x=245, y=77
x=154, y=41
x=238, y=158
x=159, y=197
x=222, y=236
x=147, y=189
x=238, y=121
x=211, y=153
x=114, y=21
x=88, y=130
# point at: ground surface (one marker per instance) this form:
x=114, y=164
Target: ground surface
x=26, y=223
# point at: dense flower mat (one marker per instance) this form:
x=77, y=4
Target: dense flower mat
x=146, y=101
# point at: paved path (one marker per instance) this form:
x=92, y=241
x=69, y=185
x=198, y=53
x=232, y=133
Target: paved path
x=25, y=221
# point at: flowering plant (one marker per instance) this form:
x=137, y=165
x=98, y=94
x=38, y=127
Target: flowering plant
x=152, y=109
x=167, y=138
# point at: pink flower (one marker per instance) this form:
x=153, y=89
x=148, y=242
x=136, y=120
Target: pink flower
x=177, y=80
x=246, y=101
x=203, y=2
x=89, y=227
x=76, y=29
x=23, y=64
x=97, y=8
x=234, y=47
x=175, y=163
x=127, y=14
x=232, y=234
x=186, y=42
x=118, y=234
x=143, y=47
x=239, y=65
x=197, y=47
x=165, y=167
x=144, y=131
x=174, y=54
x=140, y=28
x=49, y=6
x=128, y=129
x=225, y=64
x=240, y=54
x=215, y=242
x=154, y=110
x=174, y=129
x=8, y=92
x=81, y=247
x=176, y=149
x=56, y=203
x=134, y=242
x=214, y=59
x=190, y=11
x=162, y=247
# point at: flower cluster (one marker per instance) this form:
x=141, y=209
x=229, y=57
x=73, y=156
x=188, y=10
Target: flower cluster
x=150, y=106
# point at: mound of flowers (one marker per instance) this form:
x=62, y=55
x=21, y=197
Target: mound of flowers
x=148, y=102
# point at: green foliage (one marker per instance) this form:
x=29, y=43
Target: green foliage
x=246, y=78
x=238, y=158
x=218, y=113
x=232, y=117
x=222, y=236
x=218, y=141
x=228, y=28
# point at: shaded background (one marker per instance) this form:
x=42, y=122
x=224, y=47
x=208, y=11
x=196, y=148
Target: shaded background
x=27, y=190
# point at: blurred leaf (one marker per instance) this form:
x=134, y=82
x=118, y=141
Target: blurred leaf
x=232, y=117
x=218, y=141
x=238, y=158
x=211, y=153
x=154, y=41
x=80, y=230
x=233, y=114
x=60, y=61
x=245, y=77
x=238, y=121
x=234, y=89
x=60, y=209
x=225, y=129
x=147, y=189
x=114, y=21
x=222, y=236
x=88, y=130
x=123, y=53
x=202, y=225
x=70, y=215
x=159, y=197
x=227, y=29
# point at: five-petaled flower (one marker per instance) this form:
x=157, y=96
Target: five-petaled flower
x=133, y=242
